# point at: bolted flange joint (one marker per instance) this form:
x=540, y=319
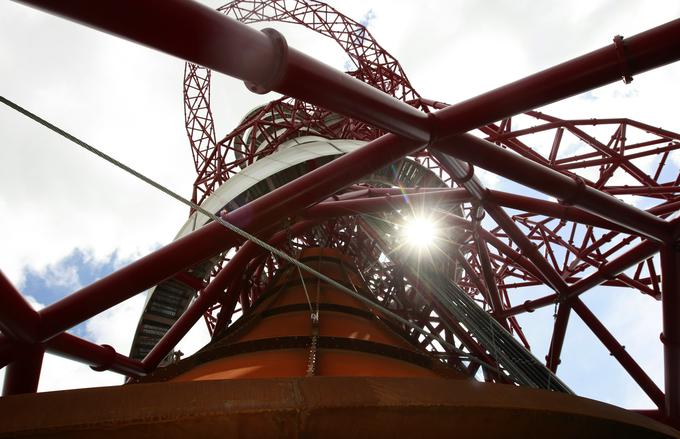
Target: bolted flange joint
x=280, y=63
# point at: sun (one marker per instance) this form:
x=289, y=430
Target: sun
x=419, y=232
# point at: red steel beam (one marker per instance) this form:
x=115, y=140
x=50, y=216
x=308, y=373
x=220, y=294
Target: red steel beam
x=552, y=360
x=605, y=272
x=18, y=319
x=490, y=280
x=571, y=191
x=23, y=374
x=210, y=294
x=670, y=270
x=199, y=34
x=645, y=51
x=619, y=352
x=387, y=202
x=214, y=238
x=98, y=357
x=74, y=348
x=8, y=351
x=551, y=209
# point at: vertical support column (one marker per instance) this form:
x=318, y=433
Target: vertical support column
x=22, y=375
x=490, y=280
x=552, y=360
x=670, y=270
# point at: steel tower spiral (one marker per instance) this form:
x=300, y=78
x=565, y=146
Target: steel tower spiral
x=343, y=160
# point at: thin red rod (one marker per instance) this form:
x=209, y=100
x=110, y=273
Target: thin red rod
x=389, y=202
x=490, y=281
x=552, y=209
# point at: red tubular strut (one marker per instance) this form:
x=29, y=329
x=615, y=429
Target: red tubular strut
x=198, y=34
x=23, y=374
x=209, y=295
x=487, y=155
x=619, y=352
x=18, y=319
x=98, y=357
x=670, y=270
x=180, y=255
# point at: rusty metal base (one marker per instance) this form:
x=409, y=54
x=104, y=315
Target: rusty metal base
x=318, y=407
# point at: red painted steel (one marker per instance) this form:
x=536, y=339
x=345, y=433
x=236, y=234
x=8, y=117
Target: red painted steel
x=532, y=241
x=23, y=374
x=619, y=352
x=17, y=318
x=196, y=33
x=670, y=267
x=99, y=357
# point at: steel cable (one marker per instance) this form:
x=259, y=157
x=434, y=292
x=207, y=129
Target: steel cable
x=240, y=231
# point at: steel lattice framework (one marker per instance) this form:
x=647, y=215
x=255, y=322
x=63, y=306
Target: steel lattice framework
x=499, y=244
x=217, y=160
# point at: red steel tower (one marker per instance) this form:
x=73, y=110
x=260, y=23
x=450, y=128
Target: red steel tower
x=295, y=252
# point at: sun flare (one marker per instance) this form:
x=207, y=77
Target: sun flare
x=419, y=232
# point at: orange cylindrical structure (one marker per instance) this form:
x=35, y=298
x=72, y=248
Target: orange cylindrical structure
x=280, y=337
x=279, y=372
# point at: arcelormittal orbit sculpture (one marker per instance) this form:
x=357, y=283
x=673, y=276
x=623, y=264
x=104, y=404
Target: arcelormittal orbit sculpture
x=356, y=276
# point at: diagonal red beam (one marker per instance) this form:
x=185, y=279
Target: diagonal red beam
x=490, y=281
x=265, y=60
x=194, y=32
x=8, y=351
x=387, y=202
x=644, y=51
x=99, y=357
x=214, y=238
x=18, y=319
x=619, y=352
x=552, y=360
x=210, y=294
x=552, y=209
x=570, y=191
x=249, y=57
x=605, y=272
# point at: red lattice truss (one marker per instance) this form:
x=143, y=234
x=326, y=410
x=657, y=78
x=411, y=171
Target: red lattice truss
x=529, y=251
